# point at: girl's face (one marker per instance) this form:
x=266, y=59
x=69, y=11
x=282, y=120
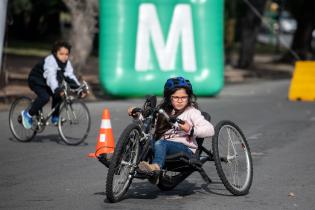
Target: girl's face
x=179, y=99
x=63, y=54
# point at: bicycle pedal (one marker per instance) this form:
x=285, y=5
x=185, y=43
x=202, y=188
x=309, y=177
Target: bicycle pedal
x=154, y=179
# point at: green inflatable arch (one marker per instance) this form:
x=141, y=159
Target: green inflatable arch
x=144, y=42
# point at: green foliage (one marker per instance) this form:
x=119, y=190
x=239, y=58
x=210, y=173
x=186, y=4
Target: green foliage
x=17, y=7
x=34, y=19
x=23, y=48
x=296, y=7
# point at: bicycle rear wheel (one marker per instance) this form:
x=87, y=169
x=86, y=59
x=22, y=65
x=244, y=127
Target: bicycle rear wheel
x=123, y=163
x=15, y=120
x=74, y=122
x=232, y=158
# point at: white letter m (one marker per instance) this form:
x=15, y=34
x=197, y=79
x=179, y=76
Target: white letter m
x=180, y=29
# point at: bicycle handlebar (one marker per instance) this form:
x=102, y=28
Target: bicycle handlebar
x=172, y=120
x=83, y=87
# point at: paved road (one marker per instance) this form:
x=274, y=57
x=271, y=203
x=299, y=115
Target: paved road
x=46, y=174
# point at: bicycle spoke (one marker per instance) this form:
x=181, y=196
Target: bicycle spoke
x=235, y=167
x=74, y=123
x=125, y=157
x=15, y=120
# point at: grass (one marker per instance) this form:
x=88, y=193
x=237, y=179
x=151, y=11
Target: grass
x=24, y=48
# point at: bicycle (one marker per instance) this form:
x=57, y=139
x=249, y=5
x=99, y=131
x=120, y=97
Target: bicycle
x=230, y=152
x=74, y=117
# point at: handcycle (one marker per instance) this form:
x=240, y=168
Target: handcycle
x=74, y=117
x=230, y=153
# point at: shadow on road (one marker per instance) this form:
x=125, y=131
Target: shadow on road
x=47, y=138
x=146, y=191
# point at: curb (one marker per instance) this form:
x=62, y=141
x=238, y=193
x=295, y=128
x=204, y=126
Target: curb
x=18, y=82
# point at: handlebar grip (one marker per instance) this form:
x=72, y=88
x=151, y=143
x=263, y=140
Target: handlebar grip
x=135, y=110
x=171, y=119
x=182, y=122
x=175, y=119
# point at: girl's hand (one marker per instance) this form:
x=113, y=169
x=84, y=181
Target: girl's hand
x=132, y=114
x=130, y=108
x=185, y=127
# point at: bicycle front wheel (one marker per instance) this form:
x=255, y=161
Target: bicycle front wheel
x=74, y=122
x=123, y=163
x=232, y=158
x=15, y=120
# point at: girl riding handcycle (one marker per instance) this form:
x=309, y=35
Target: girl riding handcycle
x=165, y=145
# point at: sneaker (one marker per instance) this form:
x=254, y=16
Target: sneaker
x=55, y=120
x=152, y=169
x=148, y=168
x=27, y=119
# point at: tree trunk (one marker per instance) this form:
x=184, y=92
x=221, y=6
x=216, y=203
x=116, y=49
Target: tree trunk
x=303, y=38
x=229, y=28
x=303, y=12
x=3, y=14
x=250, y=25
x=84, y=14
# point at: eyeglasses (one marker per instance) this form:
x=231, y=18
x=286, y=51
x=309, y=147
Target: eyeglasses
x=179, y=98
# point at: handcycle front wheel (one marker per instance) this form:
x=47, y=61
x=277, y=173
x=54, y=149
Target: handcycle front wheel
x=74, y=122
x=232, y=158
x=123, y=163
x=15, y=120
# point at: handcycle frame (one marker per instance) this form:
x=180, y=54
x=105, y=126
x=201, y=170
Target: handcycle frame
x=135, y=145
x=41, y=120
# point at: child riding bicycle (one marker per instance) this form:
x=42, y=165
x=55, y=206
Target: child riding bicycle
x=45, y=80
x=178, y=101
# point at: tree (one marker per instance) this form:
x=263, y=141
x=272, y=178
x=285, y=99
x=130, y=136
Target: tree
x=303, y=12
x=250, y=24
x=3, y=11
x=83, y=20
x=230, y=8
x=33, y=19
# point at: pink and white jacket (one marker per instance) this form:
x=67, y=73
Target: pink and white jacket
x=202, y=128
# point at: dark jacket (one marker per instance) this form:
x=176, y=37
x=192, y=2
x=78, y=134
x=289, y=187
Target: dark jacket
x=50, y=72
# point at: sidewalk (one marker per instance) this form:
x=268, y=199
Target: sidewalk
x=263, y=68
x=18, y=68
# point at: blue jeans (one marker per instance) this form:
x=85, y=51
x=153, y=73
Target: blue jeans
x=163, y=148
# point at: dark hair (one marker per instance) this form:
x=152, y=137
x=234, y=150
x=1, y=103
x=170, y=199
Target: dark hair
x=59, y=44
x=162, y=125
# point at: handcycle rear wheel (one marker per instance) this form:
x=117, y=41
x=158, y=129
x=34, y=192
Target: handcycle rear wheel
x=123, y=163
x=232, y=158
x=74, y=122
x=15, y=120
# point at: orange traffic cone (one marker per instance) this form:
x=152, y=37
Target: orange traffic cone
x=105, y=143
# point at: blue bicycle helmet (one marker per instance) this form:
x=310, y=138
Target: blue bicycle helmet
x=175, y=83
